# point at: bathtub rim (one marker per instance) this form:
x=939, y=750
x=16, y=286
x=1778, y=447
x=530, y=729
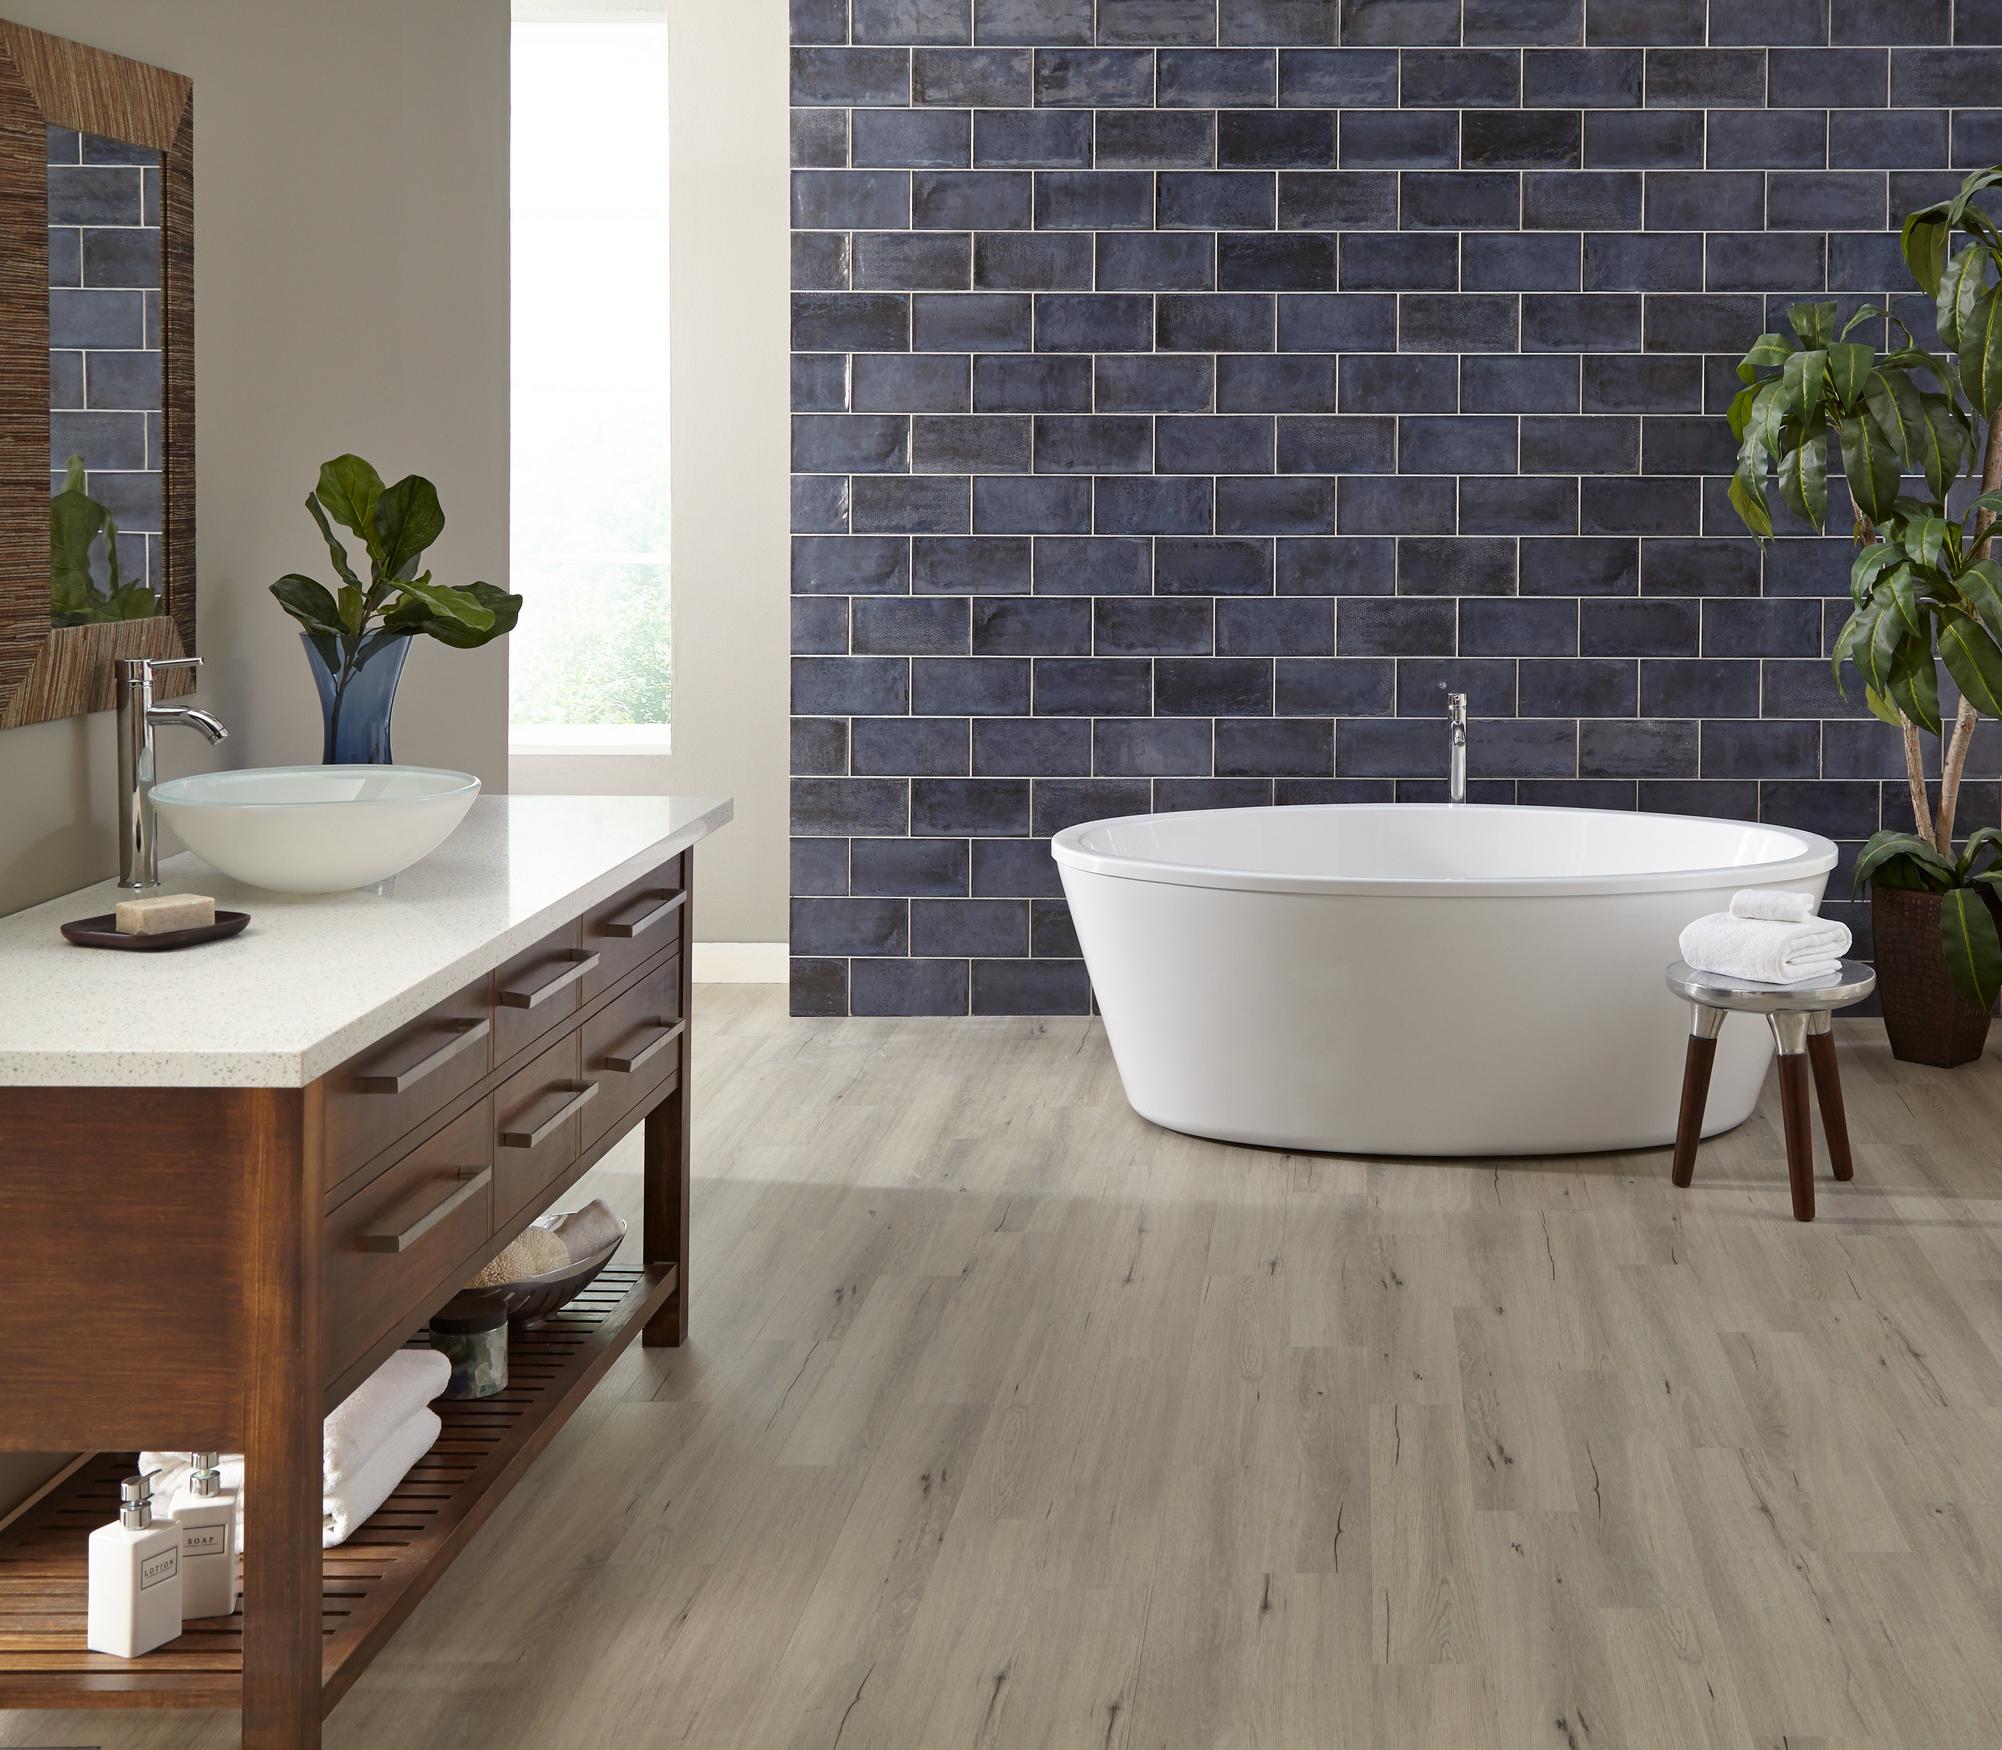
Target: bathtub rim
x=1815, y=856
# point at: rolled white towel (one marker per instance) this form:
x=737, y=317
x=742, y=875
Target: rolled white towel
x=1774, y=904
x=1763, y=951
x=365, y=1490
x=379, y=1407
x=587, y=1230
x=342, y=1509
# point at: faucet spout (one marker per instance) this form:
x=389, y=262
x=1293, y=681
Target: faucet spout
x=1456, y=722
x=187, y=717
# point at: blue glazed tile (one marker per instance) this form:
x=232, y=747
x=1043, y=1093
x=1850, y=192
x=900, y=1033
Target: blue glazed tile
x=1506, y=505
x=1761, y=628
x=906, y=868
x=1100, y=322
x=903, y=747
x=1153, y=139
x=1332, y=322
x=818, y=988
x=986, y=686
x=999, y=77
x=838, y=77
x=887, y=504
x=1063, y=802
x=1580, y=686
x=969, y=926
x=1866, y=750
x=849, y=926
x=1769, y=139
x=850, y=566
x=1508, y=261
x=1761, y=750
x=1656, y=139
x=1457, y=444
x=1609, y=793
x=841, y=686
x=819, y=868
x=1171, y=23
x=1390, y=747
x=1093, y=565
x=1150, y=747
x=1369, y=626
x=1526, y=748
x=907, y=987
x=1715, y=801
x=1398, y=384
x=1461, y=79
x=1014, y=868
x=1706, y=78
x=1386, y=506
x=1210, y=78
x=1276, y=139
x=912, y=21
x=1455, y=566
x=1017, y=261
x=1638, y=628
x=957, y=444
x=1232, y=567
x=819, y=625
x=1034, y=747
x=1424, y=681
x=1581, y=200
x=1706, y=688
x=908, y=383
x=1587, y=321
x=1345, y=565
x=819, y=384
x=1094, y=78
x=811, y=21
x=1169, y=505
x=1595, y=78
x=1213, y=686
x=819, y=504
x=1338, y=78
x=1094, y=200
x=1215, y=444
x=1146, y=383
x=1052, y=935
x=850, y=807
x=1032, y=626
x=1533, y=384
x=1639, y=507
x=1530, y=139
x=912, y=261
x=1031, y=987
x=1005, y=504
x=1094, y=444
x=1589, y=565
x=1031, y=139
x=819, y=746
x=970, y=322
x=910, y=626
x=1214, y=322
x=850, y=200
x=1091, y=686
x=1260, y=506
x=1281, y=262
x=1275, y=626
x=1641, y=748
x=849, y=443
x=1806, y=688
x=1292, y=747
x=1643, y=383
x=1518, y=626
x=1215, y=199
x=1337, y=200
x=1010, y=383
x=1342, y=686
x=1278, y=21
x=1141, y=626
x=1033, y=21
x=1402, y=22
x=1402, y=262
x=1577, y=444
x=969, y=807
x=910, y=138
x=1281, y=383
x=1156, y=261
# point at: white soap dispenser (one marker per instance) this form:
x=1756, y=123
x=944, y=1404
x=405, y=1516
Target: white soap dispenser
x=206, y=1514
x=135, y=1577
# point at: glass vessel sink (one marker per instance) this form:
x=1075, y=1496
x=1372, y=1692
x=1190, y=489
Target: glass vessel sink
x=316, y=829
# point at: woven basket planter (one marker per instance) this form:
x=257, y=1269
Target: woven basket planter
x=1929, y=1021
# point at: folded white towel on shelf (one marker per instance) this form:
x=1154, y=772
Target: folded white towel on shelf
x=1774, y=904
x=378, y=1408
x=342, y=1508
x=364, y=1491
x=1764, y=951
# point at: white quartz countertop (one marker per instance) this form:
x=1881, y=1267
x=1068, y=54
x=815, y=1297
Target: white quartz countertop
x=316, y=978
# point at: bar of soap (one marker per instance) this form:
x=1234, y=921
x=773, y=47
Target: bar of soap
x=159, y=913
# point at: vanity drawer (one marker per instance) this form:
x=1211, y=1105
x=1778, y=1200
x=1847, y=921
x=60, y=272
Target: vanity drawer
x=400, y=1236
x=631, y=1046
x=538, y=1125
x=632, y=926
x=393, y=1087
x=538, y=990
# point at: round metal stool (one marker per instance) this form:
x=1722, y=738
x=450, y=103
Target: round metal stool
x=1800, y=1017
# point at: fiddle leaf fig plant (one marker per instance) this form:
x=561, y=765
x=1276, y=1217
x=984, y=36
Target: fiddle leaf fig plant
x=1905, y=424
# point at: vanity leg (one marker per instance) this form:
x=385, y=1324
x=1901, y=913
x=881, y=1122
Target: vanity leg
x=282, y=1444
x=667, y=1152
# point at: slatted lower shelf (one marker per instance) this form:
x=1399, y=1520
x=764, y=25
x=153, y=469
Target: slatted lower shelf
x=370, y=1583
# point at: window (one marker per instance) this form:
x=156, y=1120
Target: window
x=590, y=666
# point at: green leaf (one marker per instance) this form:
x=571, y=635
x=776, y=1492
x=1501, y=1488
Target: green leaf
x=334, y=546
x=505, y=608
x=1886, y=849
x=1895, y=407
x=1930, y=540
x=1924, y=241
x=407, y=520
x=1981, y=354
x=1988, y=838
x=308, y=603
x=1940, y=445
x=1871, y=564
x=1884, y=708
x=354, y=608
x=1961, y=283
x=1813, y=322
x=447, y=603
x=1980, y=586
x=1855, y=633
x=1848, y=371
x=1769, y=349
x=1805, y=375
x=1748, y=499
x=1973, y=951
x=1974, y=661
x=1904, y=595
x=1740, y=410
x=1915, y=684
x=349, y=488
x=1877, y=656
x=1804, y=478
x=1870, y=466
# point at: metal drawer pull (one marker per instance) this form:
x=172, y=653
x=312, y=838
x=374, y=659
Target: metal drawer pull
x=527, y=999
x=579, y=1099
x=401, y=1081
x=472, y=1181
x=625, y=1065
x=639, y=926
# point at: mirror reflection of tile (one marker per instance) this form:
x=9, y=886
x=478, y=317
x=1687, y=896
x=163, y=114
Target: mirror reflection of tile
x=105, y=397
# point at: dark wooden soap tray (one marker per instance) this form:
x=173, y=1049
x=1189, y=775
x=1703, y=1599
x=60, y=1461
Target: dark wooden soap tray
x=99, y=932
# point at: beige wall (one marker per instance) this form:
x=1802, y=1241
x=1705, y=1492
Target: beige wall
x=728, y=308
x=350, y=294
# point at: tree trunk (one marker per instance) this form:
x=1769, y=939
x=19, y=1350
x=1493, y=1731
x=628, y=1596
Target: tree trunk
x=1953, y=760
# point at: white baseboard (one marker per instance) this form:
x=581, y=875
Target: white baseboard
x=740, y=963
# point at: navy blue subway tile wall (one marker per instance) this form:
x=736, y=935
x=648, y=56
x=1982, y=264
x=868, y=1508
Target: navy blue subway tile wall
x=1188, y=394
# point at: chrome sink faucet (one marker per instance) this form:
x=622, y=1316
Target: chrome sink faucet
x=1456, y=723
x=138, y=717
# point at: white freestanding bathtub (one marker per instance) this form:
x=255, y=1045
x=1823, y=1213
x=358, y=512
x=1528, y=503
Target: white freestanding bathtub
x=1415, y=980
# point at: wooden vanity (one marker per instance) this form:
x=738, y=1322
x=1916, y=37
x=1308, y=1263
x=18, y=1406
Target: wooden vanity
x=216, y=1232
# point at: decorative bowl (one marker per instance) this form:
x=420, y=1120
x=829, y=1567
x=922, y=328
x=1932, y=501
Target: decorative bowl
x=534, y=1298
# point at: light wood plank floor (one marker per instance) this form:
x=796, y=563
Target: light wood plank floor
x=1011, y=1421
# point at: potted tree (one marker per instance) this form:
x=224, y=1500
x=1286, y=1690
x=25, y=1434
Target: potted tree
x=1908, y=425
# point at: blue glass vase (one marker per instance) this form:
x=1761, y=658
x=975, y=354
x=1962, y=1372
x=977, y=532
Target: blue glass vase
x=356, y=680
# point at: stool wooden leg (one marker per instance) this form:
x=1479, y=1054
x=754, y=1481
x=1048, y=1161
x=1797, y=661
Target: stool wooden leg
x=1790, y=1032
x=1704, y=1026
x=1828, y=1092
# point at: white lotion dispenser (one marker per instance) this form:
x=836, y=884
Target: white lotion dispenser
x=206, y=1513
x=135, y=1577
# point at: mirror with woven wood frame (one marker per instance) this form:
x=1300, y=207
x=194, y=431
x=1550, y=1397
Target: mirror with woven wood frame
x=97, y=384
